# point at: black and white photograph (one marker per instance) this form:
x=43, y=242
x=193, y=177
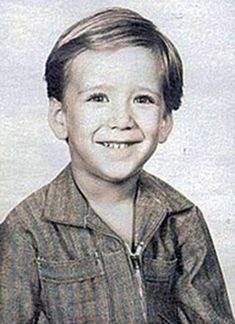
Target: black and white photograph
x=117, y=162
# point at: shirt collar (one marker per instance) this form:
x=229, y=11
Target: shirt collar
x=66, y=204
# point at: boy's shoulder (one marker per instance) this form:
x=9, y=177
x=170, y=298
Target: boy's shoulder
x=170, y=197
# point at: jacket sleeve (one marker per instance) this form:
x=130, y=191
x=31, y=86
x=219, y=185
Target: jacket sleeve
x=19, y=284
x=201, y=295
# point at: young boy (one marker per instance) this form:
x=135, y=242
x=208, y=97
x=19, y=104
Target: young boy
x=106, y=242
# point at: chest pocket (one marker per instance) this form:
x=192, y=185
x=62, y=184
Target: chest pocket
x=159, y=276
x=72, y=291
x=158, y=270
x=69, y=271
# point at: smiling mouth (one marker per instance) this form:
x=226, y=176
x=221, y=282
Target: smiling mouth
x=115, y=145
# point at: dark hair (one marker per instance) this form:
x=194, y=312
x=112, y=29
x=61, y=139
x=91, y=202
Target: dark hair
x=114, y=28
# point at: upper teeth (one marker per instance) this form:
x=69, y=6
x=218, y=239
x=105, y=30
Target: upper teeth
x=116, y=145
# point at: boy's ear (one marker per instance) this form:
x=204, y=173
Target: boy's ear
x=57, y=119
x=165, y=127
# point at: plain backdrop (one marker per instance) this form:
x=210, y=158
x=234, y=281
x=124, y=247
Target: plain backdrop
x=198, y=157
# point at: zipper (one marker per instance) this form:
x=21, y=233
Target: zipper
x=136, y=261
x=135, y=255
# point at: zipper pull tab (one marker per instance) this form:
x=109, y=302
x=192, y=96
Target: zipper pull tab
x=139, y=249
x=136, y=256
x=97, y=259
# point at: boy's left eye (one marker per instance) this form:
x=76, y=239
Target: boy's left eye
x=144, y=99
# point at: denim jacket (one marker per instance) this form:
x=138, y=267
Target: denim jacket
x=60, y=263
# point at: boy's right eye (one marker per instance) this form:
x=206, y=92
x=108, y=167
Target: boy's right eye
x=98, y=97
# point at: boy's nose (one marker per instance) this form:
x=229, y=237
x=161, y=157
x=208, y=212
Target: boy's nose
x=121, y=118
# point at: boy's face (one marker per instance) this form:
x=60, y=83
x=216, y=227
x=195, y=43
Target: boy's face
x=113, y=112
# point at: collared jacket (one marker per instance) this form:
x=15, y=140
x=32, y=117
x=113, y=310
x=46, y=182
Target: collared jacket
x=60, y=263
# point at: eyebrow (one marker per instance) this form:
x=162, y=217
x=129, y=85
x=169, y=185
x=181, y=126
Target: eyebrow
x=151, y=91
x=96, y=88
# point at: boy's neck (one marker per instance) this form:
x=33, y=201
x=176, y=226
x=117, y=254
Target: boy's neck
x=102, y=191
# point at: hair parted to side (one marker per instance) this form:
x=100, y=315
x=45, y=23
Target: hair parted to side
x=113, y=29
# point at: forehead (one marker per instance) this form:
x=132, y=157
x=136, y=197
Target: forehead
x=128, y=66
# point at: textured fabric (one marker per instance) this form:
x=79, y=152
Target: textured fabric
x=60, y=263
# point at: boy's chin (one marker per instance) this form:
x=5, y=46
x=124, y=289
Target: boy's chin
x=119, y=177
